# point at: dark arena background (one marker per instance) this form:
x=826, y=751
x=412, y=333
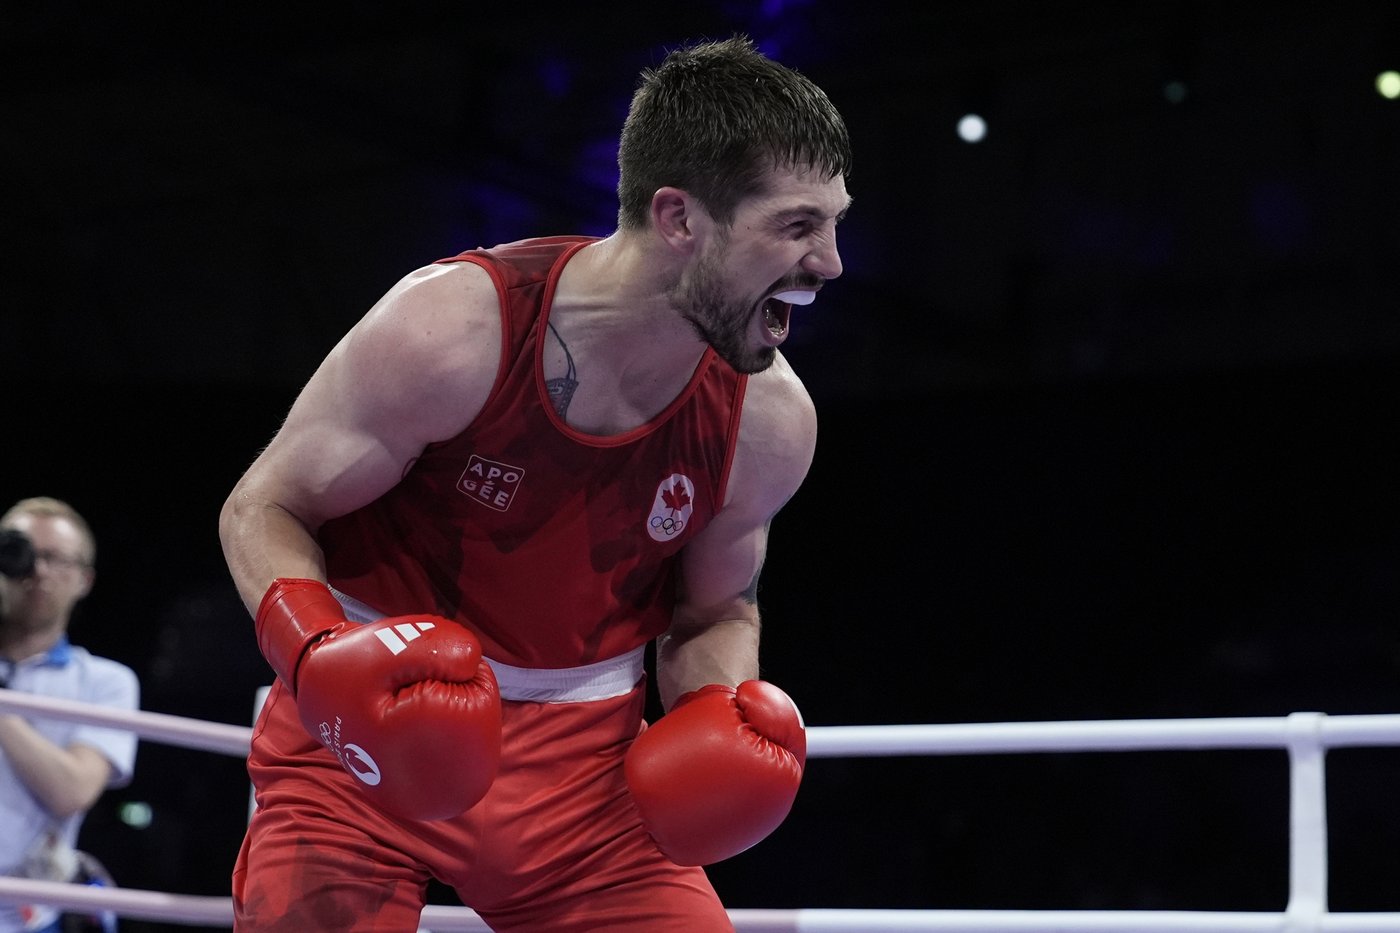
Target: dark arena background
x=1107, y=390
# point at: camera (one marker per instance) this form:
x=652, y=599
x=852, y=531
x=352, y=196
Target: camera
x=16, y=554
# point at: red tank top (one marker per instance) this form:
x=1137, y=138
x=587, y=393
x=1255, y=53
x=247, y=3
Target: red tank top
x=558, y=548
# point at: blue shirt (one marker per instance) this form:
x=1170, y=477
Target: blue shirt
x=67, y=672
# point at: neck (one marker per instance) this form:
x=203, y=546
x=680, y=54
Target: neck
x=17, y=644
x=622, y=286
x=632, y=351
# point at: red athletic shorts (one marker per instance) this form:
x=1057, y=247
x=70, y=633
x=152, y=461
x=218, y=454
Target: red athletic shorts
x=556, y=845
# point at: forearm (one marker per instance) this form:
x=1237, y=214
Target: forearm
x=64, y=780
x=691, y=655
x=262, y=542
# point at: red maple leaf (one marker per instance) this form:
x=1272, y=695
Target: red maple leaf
x=676, y=498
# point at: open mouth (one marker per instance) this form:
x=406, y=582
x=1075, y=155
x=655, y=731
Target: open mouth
x=778, y=309
x=776, y=315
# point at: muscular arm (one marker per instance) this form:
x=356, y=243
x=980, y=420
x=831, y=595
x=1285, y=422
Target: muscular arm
x=714, y=633
x=64, y=780
x=416, y=369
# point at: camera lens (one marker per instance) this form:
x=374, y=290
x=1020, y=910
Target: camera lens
x=16, y=554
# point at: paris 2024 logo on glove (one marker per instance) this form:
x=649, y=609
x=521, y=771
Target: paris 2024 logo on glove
x=353, y=757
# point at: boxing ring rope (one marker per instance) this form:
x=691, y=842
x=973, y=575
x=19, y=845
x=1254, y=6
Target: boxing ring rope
x=1306, y=736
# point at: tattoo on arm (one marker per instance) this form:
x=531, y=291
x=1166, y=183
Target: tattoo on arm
x=561, y=390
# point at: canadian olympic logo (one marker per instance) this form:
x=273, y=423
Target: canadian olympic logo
x=671, y=508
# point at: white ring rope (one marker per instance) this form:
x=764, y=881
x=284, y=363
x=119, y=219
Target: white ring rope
x=1304, y=735
x=158, y=727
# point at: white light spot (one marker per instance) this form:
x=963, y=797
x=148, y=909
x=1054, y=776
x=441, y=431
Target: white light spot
x=972, y=128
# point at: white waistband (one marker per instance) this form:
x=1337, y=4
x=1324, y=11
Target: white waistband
x=597, y=681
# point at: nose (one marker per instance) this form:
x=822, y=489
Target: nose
x=45, y=564
x=825, y=260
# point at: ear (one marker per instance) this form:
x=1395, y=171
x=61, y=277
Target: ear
x=89, y=578
x=674, y=214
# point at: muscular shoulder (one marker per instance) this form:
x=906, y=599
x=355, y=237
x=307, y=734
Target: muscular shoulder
x=434, y=336
x=434, y=315
x=777, y=439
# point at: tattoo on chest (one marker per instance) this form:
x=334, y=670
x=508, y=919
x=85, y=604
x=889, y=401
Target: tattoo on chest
x=561, y=389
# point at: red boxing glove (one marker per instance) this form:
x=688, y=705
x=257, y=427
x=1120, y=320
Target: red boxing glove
x=719, y=772
x=406, y=704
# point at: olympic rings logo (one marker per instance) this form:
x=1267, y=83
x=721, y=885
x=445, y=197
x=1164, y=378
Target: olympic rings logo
x=667, y=524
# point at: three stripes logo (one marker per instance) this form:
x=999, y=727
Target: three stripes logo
x=353, y=757
x=397, y=637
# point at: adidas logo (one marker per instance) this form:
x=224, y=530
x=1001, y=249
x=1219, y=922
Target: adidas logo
x=397, y=637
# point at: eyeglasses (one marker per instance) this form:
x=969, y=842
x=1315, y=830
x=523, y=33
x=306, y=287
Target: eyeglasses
x=59, y=561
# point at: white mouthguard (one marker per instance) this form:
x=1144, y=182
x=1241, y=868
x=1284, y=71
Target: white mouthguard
x=797, y=297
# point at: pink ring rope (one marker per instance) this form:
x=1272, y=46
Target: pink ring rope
x=1306, y=737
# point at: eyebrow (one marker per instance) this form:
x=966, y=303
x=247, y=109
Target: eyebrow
x=809, y=211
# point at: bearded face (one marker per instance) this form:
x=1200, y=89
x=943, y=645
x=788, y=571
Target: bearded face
x=721, y=318
x=779, y=250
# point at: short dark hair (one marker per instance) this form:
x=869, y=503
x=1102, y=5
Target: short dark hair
x=713, y=118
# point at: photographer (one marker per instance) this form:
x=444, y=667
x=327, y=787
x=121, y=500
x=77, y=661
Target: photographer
x=52, y=771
